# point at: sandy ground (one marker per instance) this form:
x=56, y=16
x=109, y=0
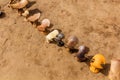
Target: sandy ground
x=24, y=55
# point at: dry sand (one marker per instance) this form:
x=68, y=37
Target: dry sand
x=24, y=55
